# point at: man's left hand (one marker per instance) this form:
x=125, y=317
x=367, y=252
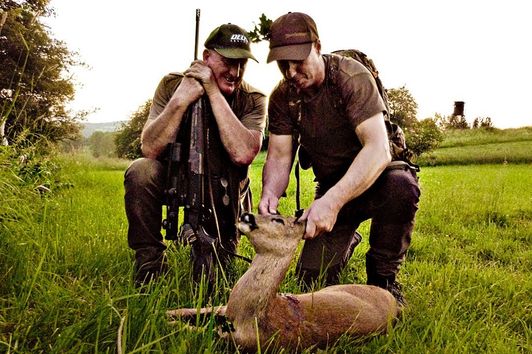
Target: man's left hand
x=320, y=216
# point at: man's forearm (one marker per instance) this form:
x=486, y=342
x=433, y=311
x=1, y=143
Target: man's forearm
x=275, y=177
x=161, y=131
x=241, y=144
x=363, y=172
x=276, y=172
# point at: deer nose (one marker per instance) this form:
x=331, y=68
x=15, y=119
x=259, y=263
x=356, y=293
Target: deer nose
x=248, y=219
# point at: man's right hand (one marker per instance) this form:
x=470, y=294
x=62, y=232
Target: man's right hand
x=189, y=91
x=194, y=80
x=268, y=205
x=320, y=217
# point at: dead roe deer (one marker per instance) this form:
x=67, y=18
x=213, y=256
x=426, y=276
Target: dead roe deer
x=255, y=308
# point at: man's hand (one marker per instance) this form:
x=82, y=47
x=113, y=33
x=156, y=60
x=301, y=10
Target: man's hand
x=188, y=91
x=203, y=75
x=268, y=205
x=364, y=170
x=320, y=216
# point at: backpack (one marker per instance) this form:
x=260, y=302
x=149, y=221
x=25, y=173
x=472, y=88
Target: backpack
x=396, y=136
x=401, y=155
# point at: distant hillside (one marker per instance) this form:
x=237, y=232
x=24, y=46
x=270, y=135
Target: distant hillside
x=89, y=128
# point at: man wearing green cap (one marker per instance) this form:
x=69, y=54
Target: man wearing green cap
x=333, y=105
x=236, y=124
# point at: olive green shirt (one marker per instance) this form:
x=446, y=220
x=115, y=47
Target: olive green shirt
x=248, y=103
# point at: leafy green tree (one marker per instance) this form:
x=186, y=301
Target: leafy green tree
x=403, y=107
x=423, y=136
x=127, y=138
x=34, y=82
x=102, y=144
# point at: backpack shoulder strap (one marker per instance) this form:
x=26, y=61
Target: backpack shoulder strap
x=294, y=110
x=396, y=136
x=333, y=64
x=363, y=59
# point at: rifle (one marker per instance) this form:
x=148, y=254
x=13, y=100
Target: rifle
x=186, y=185
x=186, y=181
x=194, y=208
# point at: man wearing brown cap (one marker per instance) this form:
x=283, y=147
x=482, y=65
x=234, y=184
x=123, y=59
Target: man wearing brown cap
x=332, y=106
x=236, y=121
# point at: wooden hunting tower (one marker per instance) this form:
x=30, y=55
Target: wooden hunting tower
x=458, y=108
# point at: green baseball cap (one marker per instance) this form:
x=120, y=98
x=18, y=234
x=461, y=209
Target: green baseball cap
x=230, y=41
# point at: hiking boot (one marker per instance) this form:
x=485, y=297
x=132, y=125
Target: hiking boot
x=149, y=272
x=395, y=289
x=149, y=265
x=389, y=283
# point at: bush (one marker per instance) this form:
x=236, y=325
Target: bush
x=127, y=138
x=484, y=123
x=451, y=122
x=423, y=136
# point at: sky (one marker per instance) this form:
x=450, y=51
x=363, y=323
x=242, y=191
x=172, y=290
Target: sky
x=441, y=51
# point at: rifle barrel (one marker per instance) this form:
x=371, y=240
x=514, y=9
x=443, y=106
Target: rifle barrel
x=198, y=12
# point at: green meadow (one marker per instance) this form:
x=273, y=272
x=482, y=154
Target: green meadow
x=66, y=270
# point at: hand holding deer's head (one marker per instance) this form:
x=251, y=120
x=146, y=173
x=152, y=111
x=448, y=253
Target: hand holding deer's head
x=272, y=234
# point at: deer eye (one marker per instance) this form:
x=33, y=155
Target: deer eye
x=278, y=220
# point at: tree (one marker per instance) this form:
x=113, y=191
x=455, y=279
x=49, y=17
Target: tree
x=127, y=138
x=424, y=136
x=102, y=144
x=451, y=122
x=33, y=82
x=484, y=123
x=421, y=136
x=403, y=107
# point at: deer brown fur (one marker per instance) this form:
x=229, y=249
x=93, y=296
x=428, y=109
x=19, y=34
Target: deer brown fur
x=296, y=321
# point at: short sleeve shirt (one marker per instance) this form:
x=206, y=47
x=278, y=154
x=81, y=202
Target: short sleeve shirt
x=248, y=103
x=329, y=117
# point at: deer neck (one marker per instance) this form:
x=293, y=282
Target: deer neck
x=258, y=286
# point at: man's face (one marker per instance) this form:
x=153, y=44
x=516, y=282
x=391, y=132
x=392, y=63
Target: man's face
x=303, y=74
x=227, y=72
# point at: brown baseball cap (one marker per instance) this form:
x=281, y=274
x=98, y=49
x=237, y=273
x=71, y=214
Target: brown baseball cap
x=230, y=41
x=292, y=36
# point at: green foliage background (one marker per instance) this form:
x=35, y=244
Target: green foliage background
x=127, y=139
x=34, y=81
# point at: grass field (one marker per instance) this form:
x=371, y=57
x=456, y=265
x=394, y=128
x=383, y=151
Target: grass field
x=481, y=146
x=66, y=271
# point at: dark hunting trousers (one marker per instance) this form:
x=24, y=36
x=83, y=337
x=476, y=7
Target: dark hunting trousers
x=144, y=183
x=391, y=204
